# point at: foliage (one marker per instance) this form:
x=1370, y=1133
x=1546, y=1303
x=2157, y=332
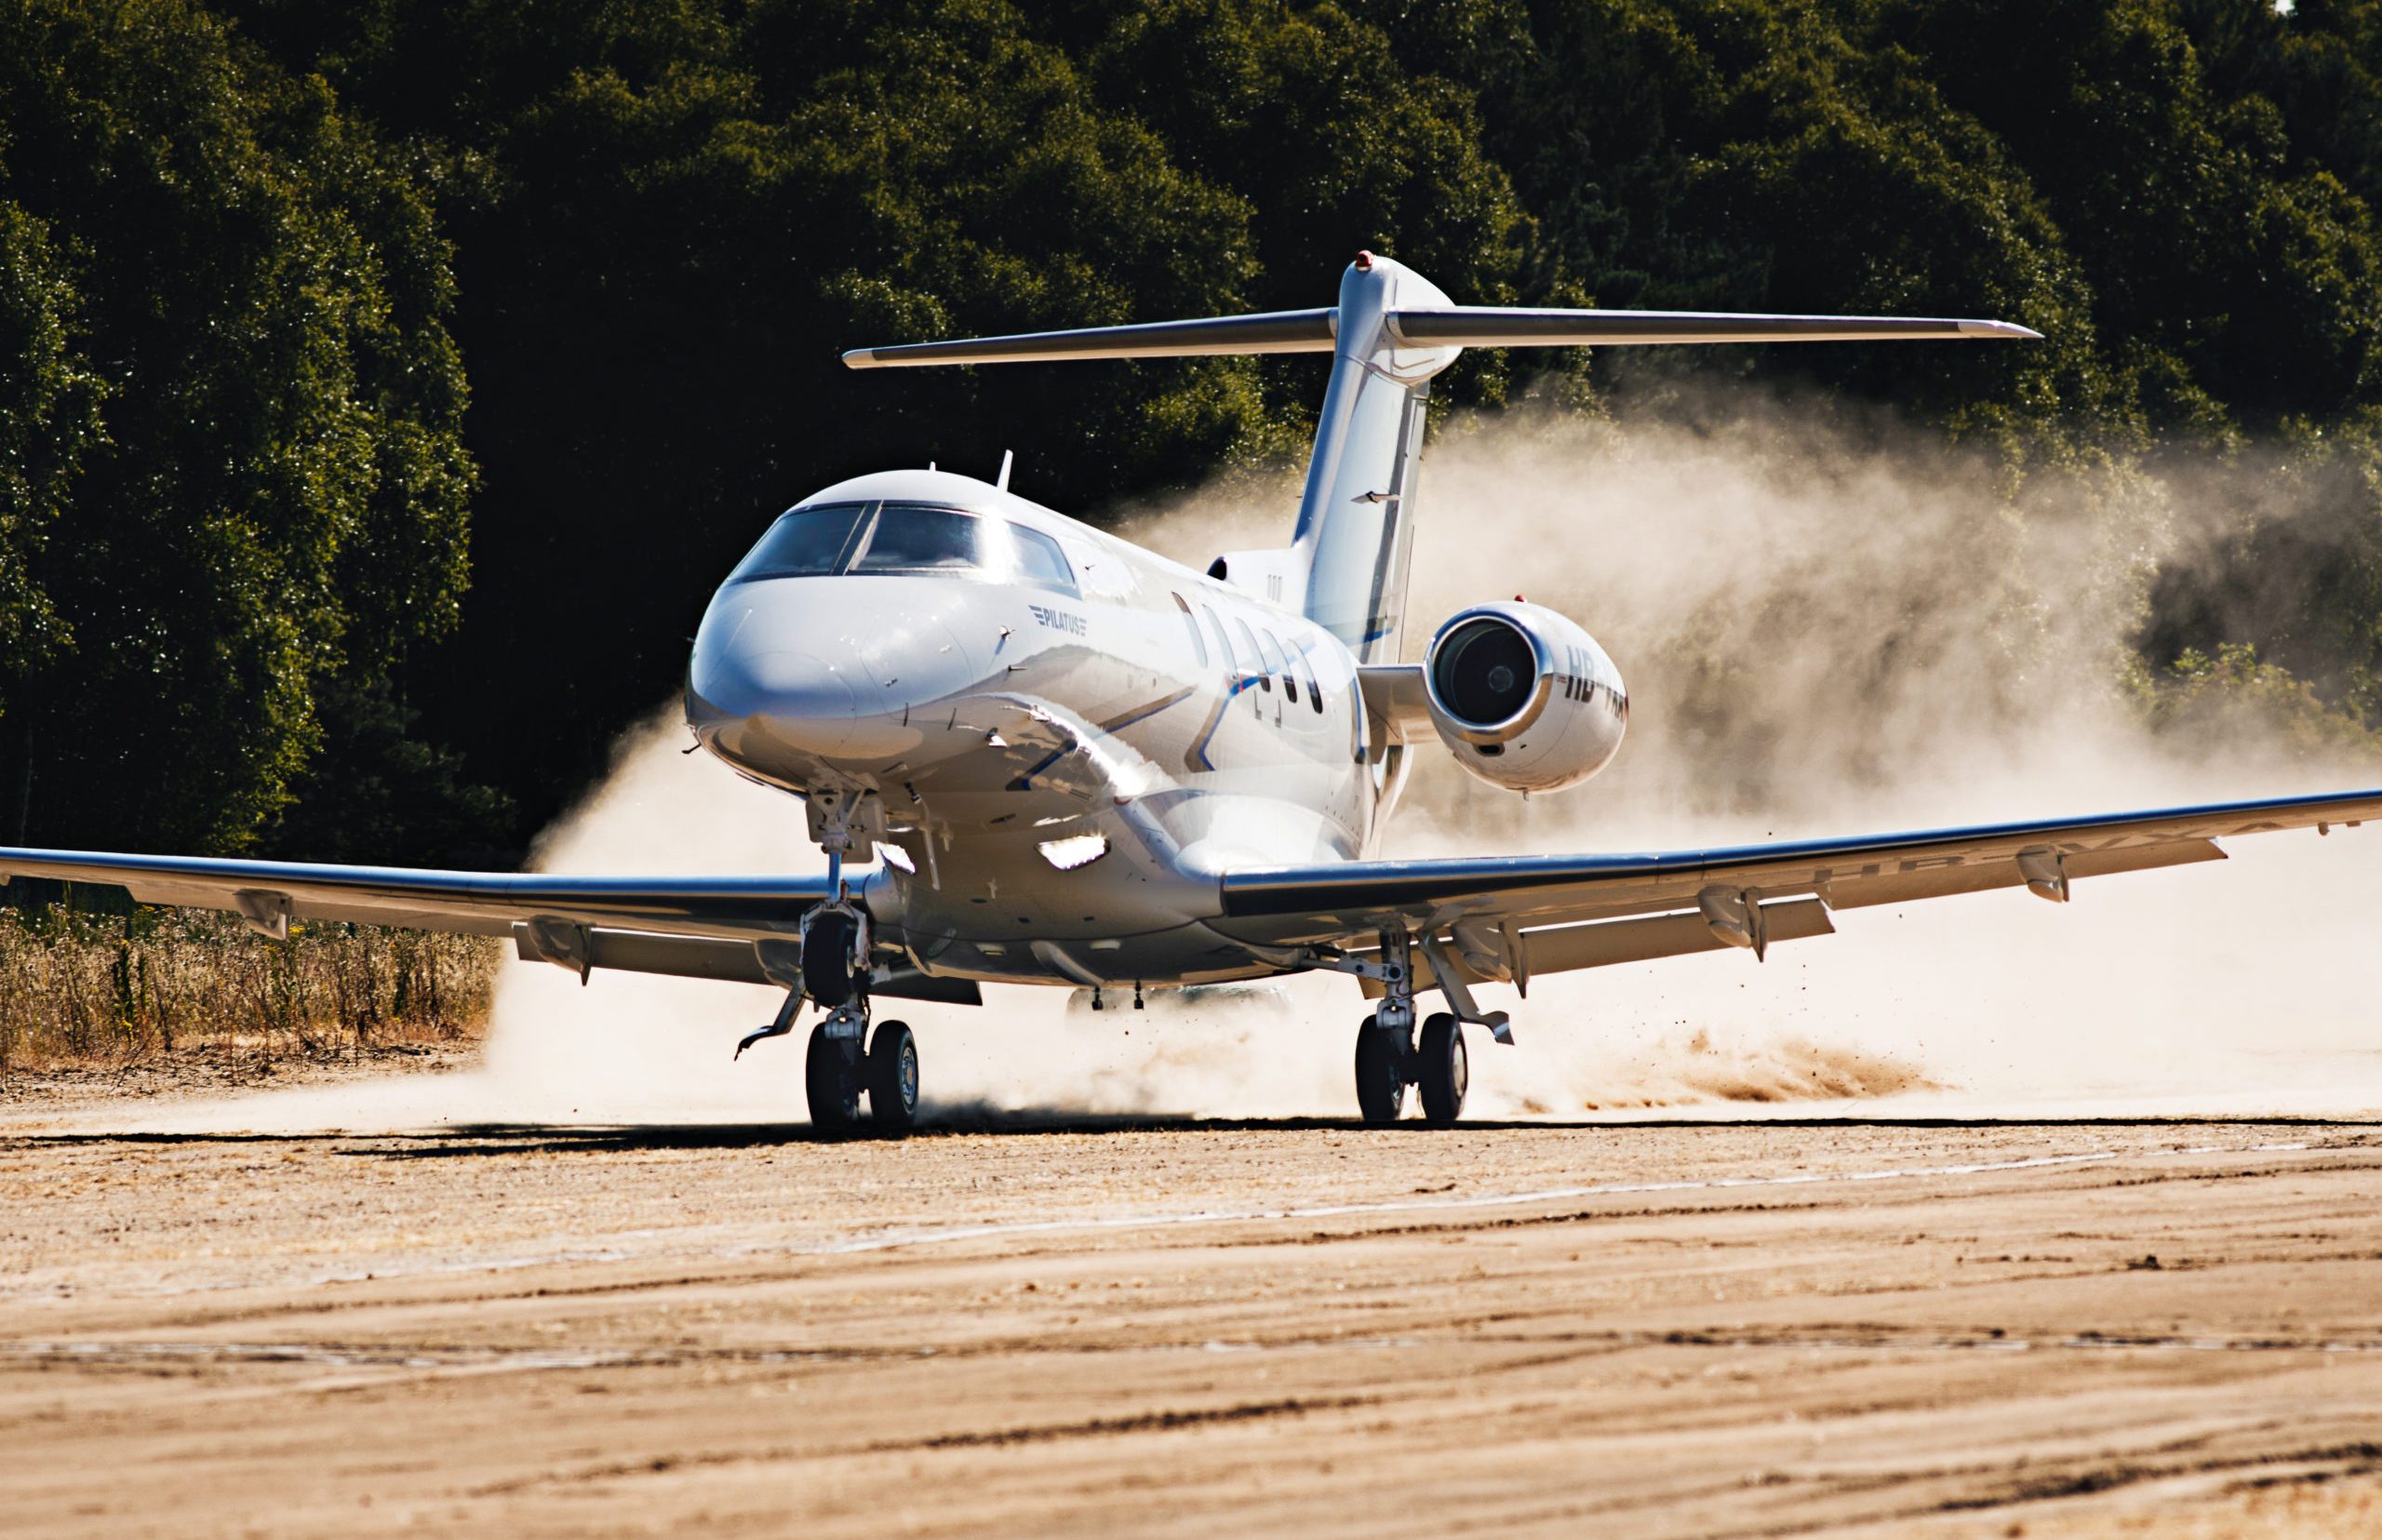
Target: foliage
x=2233, y=697
x=52, y=423
x=274, y=489
x=75, y=986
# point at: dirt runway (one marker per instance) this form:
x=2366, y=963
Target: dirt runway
x=1690, y=1329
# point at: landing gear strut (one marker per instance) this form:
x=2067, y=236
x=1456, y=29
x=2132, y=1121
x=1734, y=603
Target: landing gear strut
x=846, y=1061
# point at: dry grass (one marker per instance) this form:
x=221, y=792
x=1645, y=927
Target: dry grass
x=79, y=988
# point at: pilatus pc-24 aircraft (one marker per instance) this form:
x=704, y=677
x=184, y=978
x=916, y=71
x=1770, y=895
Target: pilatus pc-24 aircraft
x=1083, y=764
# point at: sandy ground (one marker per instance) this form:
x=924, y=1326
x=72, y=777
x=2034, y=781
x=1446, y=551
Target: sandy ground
x=1042, y=1326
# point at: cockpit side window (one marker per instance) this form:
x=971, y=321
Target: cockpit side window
x=808, y=542
x=910, y=538
x=1041, y=560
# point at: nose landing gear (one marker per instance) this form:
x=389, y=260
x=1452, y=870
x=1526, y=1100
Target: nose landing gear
x=837, y=1071
x=845, y=1061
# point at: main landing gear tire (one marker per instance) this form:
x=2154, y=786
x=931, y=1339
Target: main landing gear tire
x=1381, y=1073
x=893, y=1077
x=831, y=1083
x=1443, y=1071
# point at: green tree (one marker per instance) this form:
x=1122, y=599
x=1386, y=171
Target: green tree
x=1336, y=143
x=670, y=217
x=280, y=493
x=48, y=422
x=2234, y=285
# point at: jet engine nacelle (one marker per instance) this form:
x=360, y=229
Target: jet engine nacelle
x=1523, y=698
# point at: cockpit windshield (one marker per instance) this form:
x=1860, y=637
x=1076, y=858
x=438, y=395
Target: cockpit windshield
x=904, y=537
x=808, y=542
x=931, y=540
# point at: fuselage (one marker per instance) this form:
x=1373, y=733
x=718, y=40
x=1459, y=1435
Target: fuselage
x=1064, y=737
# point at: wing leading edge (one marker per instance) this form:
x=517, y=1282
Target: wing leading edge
x=1513, y=916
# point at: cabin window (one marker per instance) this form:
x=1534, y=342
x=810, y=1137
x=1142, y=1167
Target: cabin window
x=1223, y=642
x=1258, y=664
x=1191, y=623
x=808, y=542
x=1314, y=691
x=1279, y=657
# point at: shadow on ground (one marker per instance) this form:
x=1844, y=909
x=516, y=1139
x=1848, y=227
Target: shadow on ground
x=966, y=1121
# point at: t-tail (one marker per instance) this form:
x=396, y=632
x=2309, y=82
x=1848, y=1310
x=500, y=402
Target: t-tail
x=1390, y=333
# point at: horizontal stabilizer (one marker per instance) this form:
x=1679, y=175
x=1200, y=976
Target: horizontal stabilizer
x=1275, y=331
x=1488, y=327
x=1455, y=326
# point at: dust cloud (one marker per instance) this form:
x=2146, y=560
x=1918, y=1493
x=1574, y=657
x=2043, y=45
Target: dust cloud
x=1835, y=628
x=1826, y=629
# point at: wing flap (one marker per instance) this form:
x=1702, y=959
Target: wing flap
x=1985, y=875
x=1566, y=948
x=709, y=958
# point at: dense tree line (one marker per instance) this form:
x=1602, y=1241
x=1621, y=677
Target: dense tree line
x=387, y=383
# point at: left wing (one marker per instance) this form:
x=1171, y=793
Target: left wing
x=737, y=928
x=1509, y=917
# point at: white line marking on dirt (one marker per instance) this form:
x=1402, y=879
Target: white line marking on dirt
x=1490, y=1200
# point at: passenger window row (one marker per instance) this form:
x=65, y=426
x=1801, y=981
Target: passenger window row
x=1269, y=659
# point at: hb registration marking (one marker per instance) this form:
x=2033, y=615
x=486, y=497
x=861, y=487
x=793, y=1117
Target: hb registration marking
x=1059, y=620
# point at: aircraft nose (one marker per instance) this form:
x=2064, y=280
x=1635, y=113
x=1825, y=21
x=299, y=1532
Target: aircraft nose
x=792, y=675
x=756, y=701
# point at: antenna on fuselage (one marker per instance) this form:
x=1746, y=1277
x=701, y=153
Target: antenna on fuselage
x=1008, y=458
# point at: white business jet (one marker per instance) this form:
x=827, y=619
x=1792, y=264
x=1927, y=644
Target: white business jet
x=1072, y=762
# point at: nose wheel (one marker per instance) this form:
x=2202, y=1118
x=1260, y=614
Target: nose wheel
x=837, y=1072
x=893, y=1077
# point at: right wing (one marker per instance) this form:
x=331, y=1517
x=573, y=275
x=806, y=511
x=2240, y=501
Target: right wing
x=1508, y=917
x=743, y=929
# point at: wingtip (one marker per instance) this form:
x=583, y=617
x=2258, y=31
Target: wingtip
x=860, y=358
x=2008, y=331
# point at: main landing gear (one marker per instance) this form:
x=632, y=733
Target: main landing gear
x=1388, y=1061
x=1391, y=1056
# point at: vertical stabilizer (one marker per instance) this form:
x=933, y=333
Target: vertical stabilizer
x=1356, y=516
x=1390, y=333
